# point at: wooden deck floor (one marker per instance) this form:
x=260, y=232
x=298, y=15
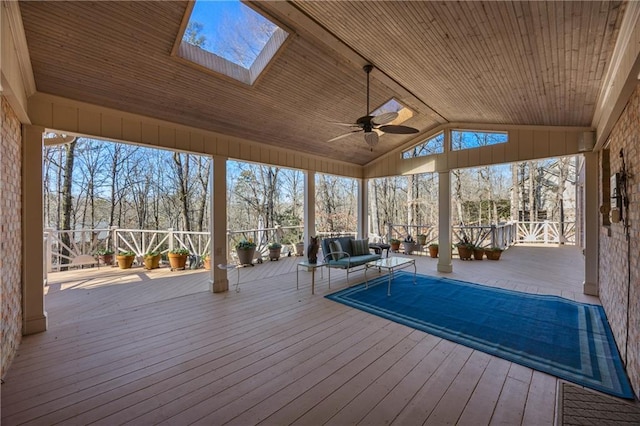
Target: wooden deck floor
x=157, y=347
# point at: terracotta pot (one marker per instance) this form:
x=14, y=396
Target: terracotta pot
x=395, y=246
x=207, y=263
x=177, y=261
x=152, y=262
x=245, y=256
x=433, y=251
x=125, y=262
x=478, y=253
x=106, y=259
x=493, y=254
x=465, y=253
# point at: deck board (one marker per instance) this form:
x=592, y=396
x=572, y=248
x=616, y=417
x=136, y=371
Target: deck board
x=156, y=347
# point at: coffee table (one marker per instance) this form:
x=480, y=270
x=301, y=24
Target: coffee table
x=313, y=267
x=391, y=264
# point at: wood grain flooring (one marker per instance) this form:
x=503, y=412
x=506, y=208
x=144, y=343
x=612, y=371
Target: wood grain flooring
x=156, y=347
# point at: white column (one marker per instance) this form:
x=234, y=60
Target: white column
x=218, y=227
x=34, y=316
x=591, y=216
x=363, y=208
x=444, y=222
x=309, y=207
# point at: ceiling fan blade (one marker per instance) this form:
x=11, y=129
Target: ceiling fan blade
x=384, y=118
x=344, y=136
x=398, y=130
x=337, y=123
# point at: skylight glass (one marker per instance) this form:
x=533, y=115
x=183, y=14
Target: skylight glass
x=393, y=105
x=230, y=38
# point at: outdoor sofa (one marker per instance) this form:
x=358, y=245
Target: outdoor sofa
x=346, y=253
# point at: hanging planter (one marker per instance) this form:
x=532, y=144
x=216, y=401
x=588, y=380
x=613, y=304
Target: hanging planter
x=421, y=239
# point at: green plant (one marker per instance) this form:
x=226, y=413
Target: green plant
x=394, y=241
x=422, y=236
x=433, y=245
x=126, y=253
x=181, y=251
x=409, y=239
x=494, y=249
x=274, y=246
x=104, y=252
x=151, y=254
x=245, y=244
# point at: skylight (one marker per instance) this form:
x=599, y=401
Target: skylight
x=393, y=105
x=230, y=38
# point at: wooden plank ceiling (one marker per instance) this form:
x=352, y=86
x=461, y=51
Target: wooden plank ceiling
x=539, y=63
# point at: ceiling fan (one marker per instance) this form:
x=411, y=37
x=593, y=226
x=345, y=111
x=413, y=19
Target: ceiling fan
x=373, y=125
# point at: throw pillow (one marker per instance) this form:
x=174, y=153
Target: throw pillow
x=335, y=246
x=360, y=247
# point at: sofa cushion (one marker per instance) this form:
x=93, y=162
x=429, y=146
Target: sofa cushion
x=353, y=261
x=360, y=247
x=335, y=246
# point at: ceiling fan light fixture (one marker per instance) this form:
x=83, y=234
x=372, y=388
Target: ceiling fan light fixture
x=371, y=138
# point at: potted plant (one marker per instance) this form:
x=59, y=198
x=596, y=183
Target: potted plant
x=274, y=250
x=465, y=249
x=245, y=249
x=105, y=256
x=178, y=258
x=422, y=239
x=493, y=253
x=409, y=244
x=206, y=260
x=395, y=244
x=152, y=260
x=433, y=250
x=478, y=253
x=125, y=259
x=300, y=248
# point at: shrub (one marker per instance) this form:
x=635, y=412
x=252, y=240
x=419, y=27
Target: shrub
x=274, y=246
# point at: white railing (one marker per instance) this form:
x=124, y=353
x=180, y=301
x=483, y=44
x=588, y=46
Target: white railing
x=62, y=247
x=501, y=235
x=547, y=232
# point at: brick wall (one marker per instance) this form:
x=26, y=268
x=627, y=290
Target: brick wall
x=615, y=285
x=10, y=234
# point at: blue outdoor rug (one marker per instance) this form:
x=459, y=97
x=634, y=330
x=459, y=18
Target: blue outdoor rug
x=567, y=339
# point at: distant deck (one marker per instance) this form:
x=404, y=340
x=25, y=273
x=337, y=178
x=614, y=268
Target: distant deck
x=149, y=346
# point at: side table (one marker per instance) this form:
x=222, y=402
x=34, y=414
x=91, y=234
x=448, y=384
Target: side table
x=313, y=267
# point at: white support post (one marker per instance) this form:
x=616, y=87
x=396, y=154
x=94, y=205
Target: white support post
x=591, y=217
x=218, y=225
x=309, y=207
x=363, y=210
x=34, y=316
x=444, y=222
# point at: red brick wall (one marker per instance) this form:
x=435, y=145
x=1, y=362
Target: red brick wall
x=613, y=248
x=10, y=234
